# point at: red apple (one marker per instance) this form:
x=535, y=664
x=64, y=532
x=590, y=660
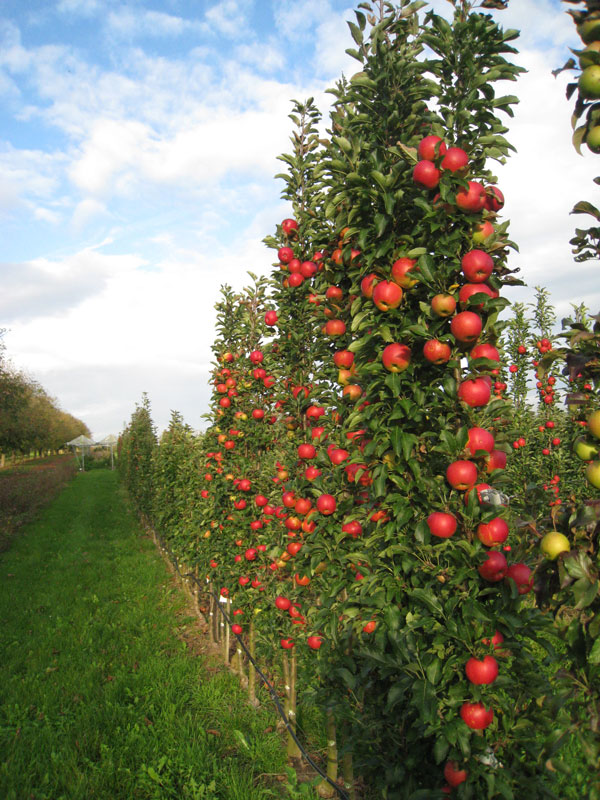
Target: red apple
x=386, y=295
x=352, y=528
x=494, y=568
x=431, y=147
x=475, y=392
x=477, y=266
x=271, y=318
x=521, y=575
x=289, y=225
x=476, y=715
x=482, y=672
x=314, y=642
x=444, y=305
x=403, y=272
x=396, y=357
x=285, y=254
x=480, y=439
x=368, y=284
x=469, y=289
x=455, y=159
x=343, y=359
x=472, y=199
x=335, y=327
x=426, y=174
x=482, y=232
x=496, y=460
x=326, y=504
x=454, y=775
x=493, y=533
x=437, y=352
x=287, y=644
x=466, y=326
x=461, y=475
x=307, y=451
x=441, y=524
x=494, y=199
x=485, y=350
x=282, y=603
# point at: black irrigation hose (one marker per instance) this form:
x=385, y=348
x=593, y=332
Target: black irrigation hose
x=270, y=688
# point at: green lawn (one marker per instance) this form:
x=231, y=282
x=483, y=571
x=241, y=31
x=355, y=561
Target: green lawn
x=99, y=697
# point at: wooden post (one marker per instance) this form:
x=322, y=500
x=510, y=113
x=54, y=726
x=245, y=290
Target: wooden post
x=348, y=775
x=226, y=637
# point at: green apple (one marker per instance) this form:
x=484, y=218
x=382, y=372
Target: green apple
x=592, y=473
x=594, y=423
x=585, y=450
x=553, y=544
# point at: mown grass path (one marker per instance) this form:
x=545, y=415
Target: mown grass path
x=99, y=697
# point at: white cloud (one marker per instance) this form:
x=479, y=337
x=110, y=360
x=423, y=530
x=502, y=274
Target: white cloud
x=129, y=22
x=229, y=17
x=84, y=7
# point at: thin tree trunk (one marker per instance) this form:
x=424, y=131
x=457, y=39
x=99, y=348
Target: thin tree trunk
x=251, y=670
x=348, y=775
x=293, y=751
x=325, y=789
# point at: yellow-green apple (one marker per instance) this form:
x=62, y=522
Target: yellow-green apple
x=444, y=305
x=553, y=544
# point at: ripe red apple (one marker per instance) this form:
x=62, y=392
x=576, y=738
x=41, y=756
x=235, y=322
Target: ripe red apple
x=335, y=327
x=311, y=473
x=307, y=451
x=282, y=603
x=454, y=775
x=437, y=352
x=455, y=159
x=493, y=533
x=308, y=269
x=256, y=357
x=482, y=232
x=482, y=672
x=496, y=460
x=494, y=199
x=403, y=272
x=295, y=280
x=469, y=289
x=289, y=225
x=352, y=528
x=426, y=174
x=368, y=284
x=314, y=642
x=494, y=568
x=431, y=147
x=444, y=305
x=472, y=199
x=480, y=439
x=289, y=499
x=521, y=575
x=475, y=392
x=237, y=629
x=386, y=295
x=287, y=644
x=441, y=524
x=271, y=318
x=338, y=456
x=261, y=500
x=326, y=504
x=477, y=266
x=466, y=326
x=461, y=475
x=396, y=357
x=285, y=254
x=343, y=359
x=476, y=715
x=485, y=350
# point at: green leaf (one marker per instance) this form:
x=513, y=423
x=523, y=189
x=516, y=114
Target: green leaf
x=594, y=656
x=427, y=598
x=434, y=671
x=356, y=33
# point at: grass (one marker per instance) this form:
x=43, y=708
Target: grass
x=100, y=698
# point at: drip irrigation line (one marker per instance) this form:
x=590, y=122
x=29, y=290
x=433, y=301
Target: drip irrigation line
x=270, y=688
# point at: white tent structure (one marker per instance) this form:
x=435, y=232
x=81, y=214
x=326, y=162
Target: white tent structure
x=80, y=442
x=110, y=441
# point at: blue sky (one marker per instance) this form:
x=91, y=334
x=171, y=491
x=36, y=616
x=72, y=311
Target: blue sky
x=138, y=144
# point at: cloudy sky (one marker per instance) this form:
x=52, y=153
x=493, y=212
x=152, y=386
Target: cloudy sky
x=138, y=141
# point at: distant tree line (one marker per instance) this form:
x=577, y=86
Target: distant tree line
x=31, y=420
